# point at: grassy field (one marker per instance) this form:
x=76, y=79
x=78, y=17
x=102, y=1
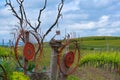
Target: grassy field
x=88, y=45
x=99, y=42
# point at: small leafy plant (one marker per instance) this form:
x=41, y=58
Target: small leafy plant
x=19, y=76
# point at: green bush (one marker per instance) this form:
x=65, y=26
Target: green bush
x=19, y=76
x=4, y=51
x=9, y=65
x=104, y=57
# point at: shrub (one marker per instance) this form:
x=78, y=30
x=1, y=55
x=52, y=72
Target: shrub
x=19, y=76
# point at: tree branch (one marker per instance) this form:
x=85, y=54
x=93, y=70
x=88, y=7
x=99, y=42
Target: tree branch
x=39, y=17
x=60, y=6
x=21, y=12
x=23, y=15
x=26, y=19
x=8, y=3
x=12, y=8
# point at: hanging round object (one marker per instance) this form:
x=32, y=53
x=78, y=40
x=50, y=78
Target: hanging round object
x=69, y=59
x=69, y=56
x=29, y=51
x=57, y=32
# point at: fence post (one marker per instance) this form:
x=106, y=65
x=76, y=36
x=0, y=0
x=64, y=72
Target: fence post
x=55, y=44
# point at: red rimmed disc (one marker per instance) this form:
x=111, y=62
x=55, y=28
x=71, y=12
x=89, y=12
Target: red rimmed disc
x=69, y=59
x=29, y=51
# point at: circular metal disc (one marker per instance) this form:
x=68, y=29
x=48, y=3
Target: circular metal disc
x=69, y=59
x=29, y=51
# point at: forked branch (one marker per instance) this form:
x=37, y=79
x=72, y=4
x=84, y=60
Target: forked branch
x=22, y=17
x=60, y=6
x=8, y=3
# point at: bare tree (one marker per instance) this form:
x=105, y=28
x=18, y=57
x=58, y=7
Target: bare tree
x=24, y=20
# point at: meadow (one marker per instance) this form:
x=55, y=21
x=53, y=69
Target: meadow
x=98, y=53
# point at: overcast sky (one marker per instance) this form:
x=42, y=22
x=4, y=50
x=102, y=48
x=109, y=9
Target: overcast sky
x=83, y=17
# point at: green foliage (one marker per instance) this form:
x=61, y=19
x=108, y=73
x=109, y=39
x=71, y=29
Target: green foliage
x=90, y=43
x=71, y=77
x=104, y=57
x=46, y=57
x=9, y=65
x=87, y=43
x=4, y=51
x=31, y=67
x=100, y=38
x=19, y=76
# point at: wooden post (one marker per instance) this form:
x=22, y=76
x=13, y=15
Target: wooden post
x=26, y=61
x=55, y=44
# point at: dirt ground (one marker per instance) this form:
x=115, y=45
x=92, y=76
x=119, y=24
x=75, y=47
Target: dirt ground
x=90, y=73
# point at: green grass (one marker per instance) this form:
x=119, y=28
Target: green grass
x=87, y=45
x=101, y=59
x=101, y=38
x=99, y=42
x=72, y=77
x=19, y=76
x=4, y=51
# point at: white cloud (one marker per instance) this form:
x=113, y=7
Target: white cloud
x=104, y=18
x=107, y=31
x=32, y=3
x=102, y=3
x=72, y=6
x=4, y=32
x=103, y=21
x=5, y=11
x=75, y=16
x=98, y=4
x=104, y=26
x=82, y=26
x=117, y=15
x=115, y=24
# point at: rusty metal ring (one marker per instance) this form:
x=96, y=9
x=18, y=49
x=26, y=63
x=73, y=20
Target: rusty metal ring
x=63, y=63
x=39, y=44
x=69, y=59
x=16, y=46
x=29, y=51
